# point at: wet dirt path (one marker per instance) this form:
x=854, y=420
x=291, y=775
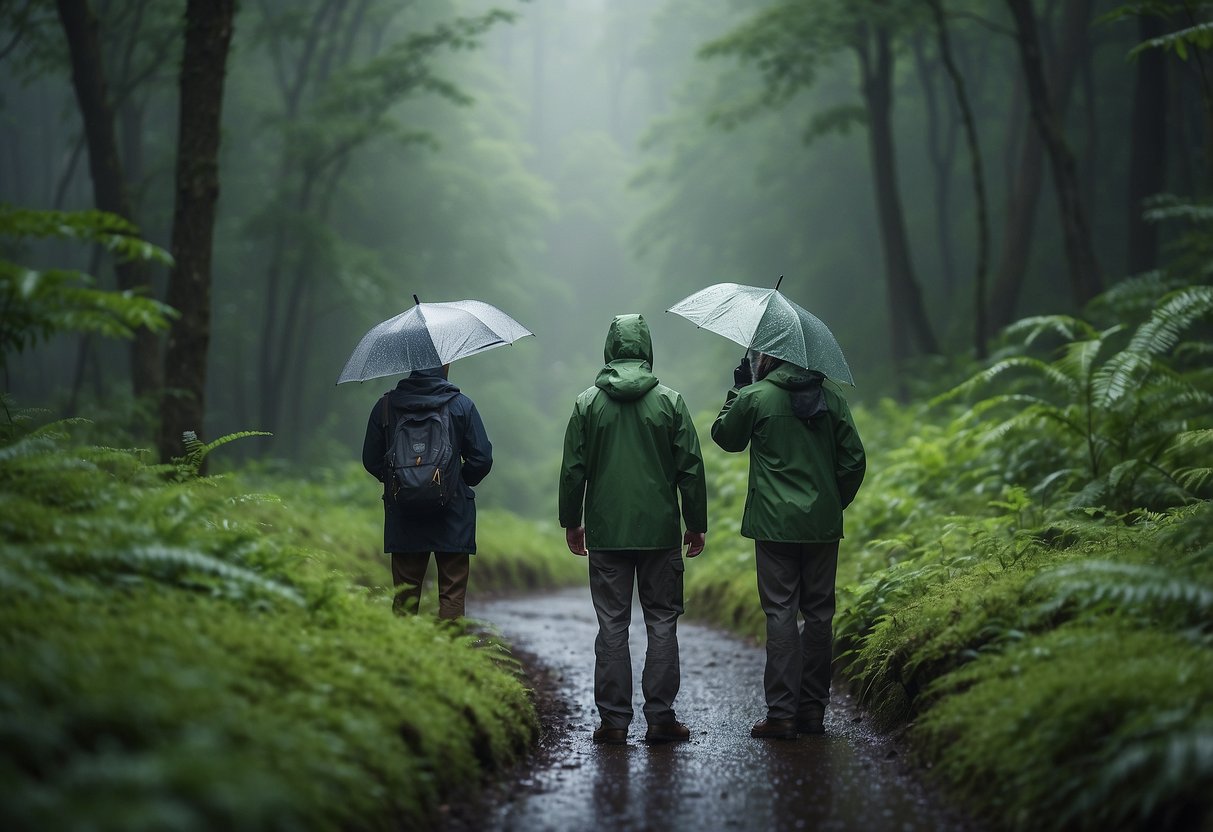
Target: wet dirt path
x=721, y=779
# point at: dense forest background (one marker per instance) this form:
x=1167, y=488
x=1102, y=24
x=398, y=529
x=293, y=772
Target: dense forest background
x=568, y=160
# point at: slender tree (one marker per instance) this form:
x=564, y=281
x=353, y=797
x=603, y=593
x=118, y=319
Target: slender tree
x=980, y=330
x=788, y=42
x=110, y=192
x=1027, y=177
x=1085, y=278
x=208, y=37
x=1147, y=145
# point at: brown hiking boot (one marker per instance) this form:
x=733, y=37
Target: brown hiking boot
x=667, y=732
x=774, y=729
x=610, y=736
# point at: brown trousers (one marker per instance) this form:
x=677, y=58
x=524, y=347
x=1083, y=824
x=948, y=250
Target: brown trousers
x=408, y=575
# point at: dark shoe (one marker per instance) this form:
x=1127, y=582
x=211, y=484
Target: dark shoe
x=774, y=729
x=667, y=732
x=810, y=725
x=811, y=719
x=610, y=736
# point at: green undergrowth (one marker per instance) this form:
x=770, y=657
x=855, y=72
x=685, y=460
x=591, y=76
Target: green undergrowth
x=1065, y=654
x=339, y=513
x=182, y=652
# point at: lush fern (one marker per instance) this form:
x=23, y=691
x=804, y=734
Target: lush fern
x=1155, y=592
x=196, y=451
x=37, y=304
x=1110, y=411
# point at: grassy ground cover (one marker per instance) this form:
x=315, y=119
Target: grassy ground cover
x=1053, y=664
x=191, y=653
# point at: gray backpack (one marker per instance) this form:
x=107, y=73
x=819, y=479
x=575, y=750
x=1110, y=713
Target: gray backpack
x=422, y=467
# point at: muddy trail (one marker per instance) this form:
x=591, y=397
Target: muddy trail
x=849, y=779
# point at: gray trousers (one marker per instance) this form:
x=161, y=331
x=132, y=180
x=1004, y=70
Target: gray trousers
x=797, y=578
x=657, y=575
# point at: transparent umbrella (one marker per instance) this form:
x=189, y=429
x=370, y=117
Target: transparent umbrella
x=430, y=335
x=764, y=320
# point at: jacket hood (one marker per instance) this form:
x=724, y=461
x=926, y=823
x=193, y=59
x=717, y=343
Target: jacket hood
x=804, y=389
x=423, y=390
x=628, y=374
x=790, y=377
x=628, y=337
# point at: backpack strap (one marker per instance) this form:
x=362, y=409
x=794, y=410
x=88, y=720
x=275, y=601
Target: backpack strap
x=387, y=413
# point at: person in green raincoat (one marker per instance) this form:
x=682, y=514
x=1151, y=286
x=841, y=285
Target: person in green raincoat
x=630, y=452
x=806, y=466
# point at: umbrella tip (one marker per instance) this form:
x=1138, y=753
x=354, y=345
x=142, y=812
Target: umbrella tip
x=777, y=282
x=416, y=301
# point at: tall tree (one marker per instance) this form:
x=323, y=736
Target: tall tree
x=208, y=37
x=980, y=329
x=1147, y=145
x=788, y=43
x=1027, y=177
x=339, y=82
x=110, y=190
x=1085, y=278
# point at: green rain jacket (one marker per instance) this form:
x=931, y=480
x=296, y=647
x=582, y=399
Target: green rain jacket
x=803, y=473
x=630, y=449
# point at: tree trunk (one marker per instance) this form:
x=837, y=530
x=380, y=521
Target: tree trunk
x=1025, y=191
x=1085, y=279
x=105, y=165
x=980, y=331
x=909, y=326
x=1148, y=146
x=208, y=37
x=940, y=151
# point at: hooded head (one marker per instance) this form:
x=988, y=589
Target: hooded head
x=628, y=374
x=628, y=337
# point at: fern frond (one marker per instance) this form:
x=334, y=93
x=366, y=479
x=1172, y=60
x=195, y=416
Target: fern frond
x=1198, y=37
x=1079, y=357
x=1095, y=583
x=168, y=563
x=1067, y=326
x=1035, y=366
x=1177, y=311
x=1144, y=775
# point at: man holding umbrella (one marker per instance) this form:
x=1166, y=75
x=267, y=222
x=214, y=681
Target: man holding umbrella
x=806, y=465
x=426, y=443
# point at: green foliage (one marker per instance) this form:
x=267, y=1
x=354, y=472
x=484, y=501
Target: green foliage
x=1034, y=630
x=196, y=451
x=1120, y=419
x=35, y=305
x=185, y=655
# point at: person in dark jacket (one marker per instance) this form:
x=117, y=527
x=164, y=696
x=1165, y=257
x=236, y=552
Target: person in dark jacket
x=630, y=450
x=449, y=533
x=806, y=465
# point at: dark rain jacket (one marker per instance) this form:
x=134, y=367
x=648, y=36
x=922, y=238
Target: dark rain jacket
x=803, y=471
x=453, y=529
x=630, y=450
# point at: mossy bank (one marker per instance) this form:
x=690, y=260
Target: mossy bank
x=201, y=653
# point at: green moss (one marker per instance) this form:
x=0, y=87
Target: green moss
x=193, y=655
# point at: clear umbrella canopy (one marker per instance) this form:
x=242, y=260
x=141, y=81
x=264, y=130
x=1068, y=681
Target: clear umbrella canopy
x=430, y=335
x=764, y=320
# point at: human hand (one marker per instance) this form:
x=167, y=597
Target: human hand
x=575, y=538
x=742, y=374
x=694, y=542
